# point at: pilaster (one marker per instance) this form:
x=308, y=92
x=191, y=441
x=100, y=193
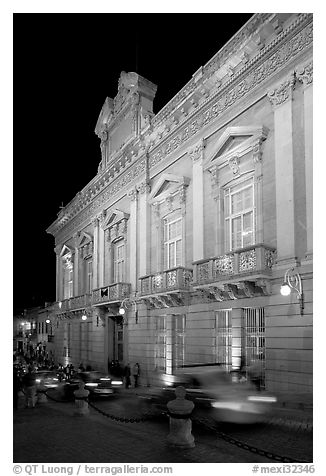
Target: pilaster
x=101, y=252
x=196, y=154
x=305, y=76
x=95, y=223
x=144, y=229
x=281, y=100
x=133, y=239
x=58, y=273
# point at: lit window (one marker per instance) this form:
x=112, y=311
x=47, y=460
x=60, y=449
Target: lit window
x=89, y=282
x=172, y=243
x=239, y=216
x=119, y=262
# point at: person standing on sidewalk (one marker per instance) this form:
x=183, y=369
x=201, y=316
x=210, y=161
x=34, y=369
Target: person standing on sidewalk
x=29, y=385
x=127, y=376
x=136, y=373
x=16, y=382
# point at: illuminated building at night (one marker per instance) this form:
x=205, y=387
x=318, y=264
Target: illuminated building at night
x=196, y=217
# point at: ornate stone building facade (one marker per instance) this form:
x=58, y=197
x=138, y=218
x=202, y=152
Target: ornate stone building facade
x=196, y=215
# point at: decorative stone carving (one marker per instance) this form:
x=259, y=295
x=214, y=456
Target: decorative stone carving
x=257, y=152
x=169, y=201
x=265, y=286
x=244, y=57
x=95, y=222
x=231, y=291
x=247, y=287
x=230, y=70
x=217, y=293
x=67, y=261
x=271, y=60
x=182, y=194
x=283, y=92
x=132, y=194
x=305, y=74
x=156, y=209
x=234, y=164
x=144, y=187
x=196, y=152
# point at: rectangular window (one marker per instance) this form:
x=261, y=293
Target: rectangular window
x=160, y=347
x=119, y=262
x=179, y=340
x=170, y=342
x=254, y=338
x=172, y=243
x=68, y=282
x=239, y=215
x=224, y=338
x=89, y=279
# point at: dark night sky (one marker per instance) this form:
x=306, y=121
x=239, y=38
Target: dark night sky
x=65, y=65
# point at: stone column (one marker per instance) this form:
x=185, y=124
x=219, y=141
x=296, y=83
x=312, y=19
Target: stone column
x=257, y=156
x=219, y=224
x=133, y=240
x=101, y=253
x=158, y=228
x=182, y=200
x=76, y=265
x=305, y=75
x=281, y=100
x=95, y=253
x=144, y=230
x=58, y=273
x=196, y=155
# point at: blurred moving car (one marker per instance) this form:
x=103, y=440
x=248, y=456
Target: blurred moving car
x=212, y=390
x=98, y=384
x=46, y=379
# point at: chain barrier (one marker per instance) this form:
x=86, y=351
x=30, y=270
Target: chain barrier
x=55, y=399
x=247, y=447
x=219, y=434
x=121, y=419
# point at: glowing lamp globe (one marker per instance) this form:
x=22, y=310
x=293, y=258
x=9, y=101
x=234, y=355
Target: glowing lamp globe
x=285, y=289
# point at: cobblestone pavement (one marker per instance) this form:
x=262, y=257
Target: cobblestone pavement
x=51, y=433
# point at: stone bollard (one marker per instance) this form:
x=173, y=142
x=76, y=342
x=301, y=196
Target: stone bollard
x=81, y=405
x=41, y=395
x=180, y=424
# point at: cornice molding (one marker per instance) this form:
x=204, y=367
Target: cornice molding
x=282, y=92
x=304, y=74
x=269, y=61
x=252, y=75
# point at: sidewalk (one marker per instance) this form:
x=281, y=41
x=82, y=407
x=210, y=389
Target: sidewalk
x=51, y=433
x=291, y=410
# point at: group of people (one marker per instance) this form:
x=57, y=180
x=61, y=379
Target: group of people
x=26, y=383
x=135, y=372
x=116, y=370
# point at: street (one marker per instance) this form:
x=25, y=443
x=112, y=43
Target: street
x=51, y=433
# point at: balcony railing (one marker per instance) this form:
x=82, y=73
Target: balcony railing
x=112, y=293
x=77, y=302
x=173, y=279
x=256, y=259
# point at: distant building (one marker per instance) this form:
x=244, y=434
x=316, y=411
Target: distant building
x=196, y=216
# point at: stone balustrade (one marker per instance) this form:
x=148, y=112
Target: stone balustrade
x=179, y=278
x=255, y=259
x=113, y=292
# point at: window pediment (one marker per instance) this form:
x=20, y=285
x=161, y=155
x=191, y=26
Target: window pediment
x=115, y=225
x=236, y=142
x=167, y=185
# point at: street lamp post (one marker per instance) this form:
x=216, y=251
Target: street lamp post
x=125, y=304
x=292, y=280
